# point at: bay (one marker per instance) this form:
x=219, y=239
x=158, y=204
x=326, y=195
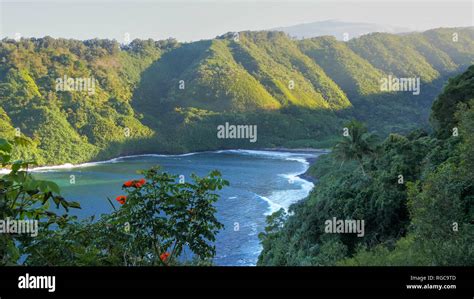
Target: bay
x=261, y=182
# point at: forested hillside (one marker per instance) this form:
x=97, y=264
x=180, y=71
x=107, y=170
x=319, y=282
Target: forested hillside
x=73, y=126
x=163, y=96
x=415, y=193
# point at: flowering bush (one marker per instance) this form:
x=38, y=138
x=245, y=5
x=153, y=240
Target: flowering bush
x=160, y=221
x=166, y=218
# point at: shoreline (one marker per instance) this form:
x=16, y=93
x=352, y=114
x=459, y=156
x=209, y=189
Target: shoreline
x=297, y=150
x=305, y=175
x=310, y=160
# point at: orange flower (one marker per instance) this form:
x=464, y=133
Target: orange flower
x=134, y=183
x=139, y=184
x=164, y=256
x=127, y=184
x=121, y=199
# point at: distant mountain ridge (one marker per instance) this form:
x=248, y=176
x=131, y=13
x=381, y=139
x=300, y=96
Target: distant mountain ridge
x=340, y=30
x=163, y=96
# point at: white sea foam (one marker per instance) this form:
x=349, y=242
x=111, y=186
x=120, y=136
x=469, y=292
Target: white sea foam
x=298, y=159
x=90, y=164
x=270, y=154
x=4, y=171
x=285, y=198
x=273, y=206
x=253, y=230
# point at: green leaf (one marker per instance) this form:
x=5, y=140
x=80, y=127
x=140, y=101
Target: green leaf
x=57, y=200
x=5, y=146
x=111, y=203
x=74, y=204
x=65, y=204
x=16, y=166
x=53, y=187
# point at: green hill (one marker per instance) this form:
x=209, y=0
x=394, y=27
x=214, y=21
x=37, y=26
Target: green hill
x=165, y=96
x=72, y=126
x=455, y=42
x=392, y=55
x=280, y=59
x=355, y=75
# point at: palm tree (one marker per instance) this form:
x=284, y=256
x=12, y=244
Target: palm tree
x=356, y=145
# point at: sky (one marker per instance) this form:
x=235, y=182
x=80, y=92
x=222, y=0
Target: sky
x=190, y=20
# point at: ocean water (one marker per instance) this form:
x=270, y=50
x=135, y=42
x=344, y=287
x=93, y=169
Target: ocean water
x=261, y=182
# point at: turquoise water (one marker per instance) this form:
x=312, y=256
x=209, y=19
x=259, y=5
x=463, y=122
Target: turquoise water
x=260, y=182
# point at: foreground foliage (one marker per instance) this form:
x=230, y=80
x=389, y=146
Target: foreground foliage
x=22, y=197
x=160, y=221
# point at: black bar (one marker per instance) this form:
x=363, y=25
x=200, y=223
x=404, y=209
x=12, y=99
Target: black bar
x=291, y=282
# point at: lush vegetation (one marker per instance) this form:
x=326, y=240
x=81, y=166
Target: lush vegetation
x=414, y=189
x=67, y=126
x=414, y=192
x=22, y=197
x=160, y=221
x=165, y=96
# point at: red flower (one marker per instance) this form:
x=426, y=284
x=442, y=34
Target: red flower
x=134, y=183
x=121, y=199
x=164, y=256
x=127, y=184
x=139, y=184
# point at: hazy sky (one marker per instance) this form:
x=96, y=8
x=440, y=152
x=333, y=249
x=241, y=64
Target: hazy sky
x=189, y=20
